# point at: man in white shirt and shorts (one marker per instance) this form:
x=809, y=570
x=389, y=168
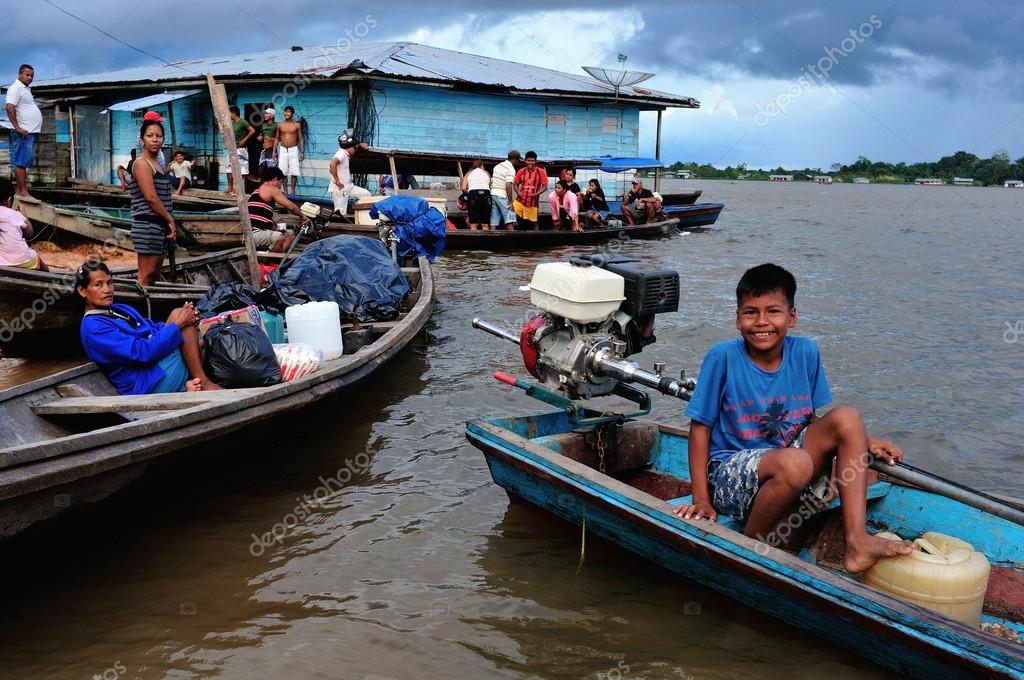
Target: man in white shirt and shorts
x=27, y=120
x=341, y=188
x=503, y=192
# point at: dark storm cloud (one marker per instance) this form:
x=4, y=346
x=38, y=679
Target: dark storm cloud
x=779, y=39
x=762, y=40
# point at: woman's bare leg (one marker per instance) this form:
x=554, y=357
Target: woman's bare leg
x=149, y=269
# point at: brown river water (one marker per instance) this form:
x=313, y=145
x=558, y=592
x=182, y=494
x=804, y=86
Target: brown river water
x=417, y=566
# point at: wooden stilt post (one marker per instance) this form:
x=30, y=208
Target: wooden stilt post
x=394, y=173
x=657, y=154
x=219, y=98
x=170, y=123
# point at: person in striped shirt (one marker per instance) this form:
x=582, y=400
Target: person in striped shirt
x=261, y=212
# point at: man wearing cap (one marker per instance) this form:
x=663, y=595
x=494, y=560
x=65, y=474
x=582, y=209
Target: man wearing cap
x=341, y=188
x=639, y=204
x=27, y=120
x=268, y=135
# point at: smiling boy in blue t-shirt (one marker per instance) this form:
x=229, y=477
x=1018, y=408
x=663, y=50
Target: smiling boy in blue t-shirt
x=755, y=441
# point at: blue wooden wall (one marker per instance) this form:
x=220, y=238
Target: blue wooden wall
x=409, y=117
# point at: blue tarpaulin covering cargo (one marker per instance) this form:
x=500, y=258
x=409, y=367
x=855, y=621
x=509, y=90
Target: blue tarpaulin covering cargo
x=420, y=227
x=357, y=272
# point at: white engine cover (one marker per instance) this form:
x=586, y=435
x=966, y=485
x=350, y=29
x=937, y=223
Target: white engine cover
x=580, y=294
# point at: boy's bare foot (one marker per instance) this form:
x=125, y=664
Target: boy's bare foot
x=864, y=550
x=208, y=384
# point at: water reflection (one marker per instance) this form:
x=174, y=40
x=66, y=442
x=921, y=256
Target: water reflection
x=163, y=576
x=573, y=619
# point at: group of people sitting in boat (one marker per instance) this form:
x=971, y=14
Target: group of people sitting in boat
x=510, y=196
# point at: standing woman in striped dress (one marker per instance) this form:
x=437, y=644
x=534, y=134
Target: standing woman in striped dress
x=153, y=227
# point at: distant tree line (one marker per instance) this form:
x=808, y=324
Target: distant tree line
x=984, y=171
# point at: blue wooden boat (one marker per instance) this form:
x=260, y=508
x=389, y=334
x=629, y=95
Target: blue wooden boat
x=546, y=460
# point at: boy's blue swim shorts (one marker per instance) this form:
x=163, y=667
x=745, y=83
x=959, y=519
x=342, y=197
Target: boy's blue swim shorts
x=734, y=482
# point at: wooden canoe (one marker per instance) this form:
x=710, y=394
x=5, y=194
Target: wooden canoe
x=683, y=217
x=69, y=439
x=544, y=460
x=463, y=239
x=40, y=312
x=202, y=231
x=94, y=193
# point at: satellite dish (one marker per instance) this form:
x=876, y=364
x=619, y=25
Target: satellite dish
x=617, y=77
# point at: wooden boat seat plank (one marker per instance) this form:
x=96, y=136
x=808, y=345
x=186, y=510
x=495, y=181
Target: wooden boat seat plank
x=82, y=405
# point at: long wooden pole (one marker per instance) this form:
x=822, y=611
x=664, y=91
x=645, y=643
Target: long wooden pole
x=657, y=154
x=219, y=98
x=394, y=173
x=170, y=123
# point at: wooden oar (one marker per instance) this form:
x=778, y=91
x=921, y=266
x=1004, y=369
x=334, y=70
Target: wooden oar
x=976, y=499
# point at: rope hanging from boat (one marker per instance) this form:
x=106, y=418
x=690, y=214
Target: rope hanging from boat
x=583, y=542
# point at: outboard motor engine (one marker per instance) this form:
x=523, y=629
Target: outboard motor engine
x=597, y=310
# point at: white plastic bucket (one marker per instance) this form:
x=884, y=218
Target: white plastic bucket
x=317, y=324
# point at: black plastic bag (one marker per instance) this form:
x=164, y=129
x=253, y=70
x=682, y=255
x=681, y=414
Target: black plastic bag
x=357, y=272
x=226, y=297
x=240, y=355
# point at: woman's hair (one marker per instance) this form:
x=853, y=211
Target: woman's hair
x=269, y=173
x=146, y=124
x=562, y=183
x=597, y=185
x=6, y=190
x=478, y=164
x=83, y=273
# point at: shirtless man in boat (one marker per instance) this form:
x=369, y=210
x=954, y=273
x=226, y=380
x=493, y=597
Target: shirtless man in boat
x=757, y=449
x=291, y=147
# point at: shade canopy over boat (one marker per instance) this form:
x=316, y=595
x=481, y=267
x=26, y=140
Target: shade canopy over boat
x=620, y=164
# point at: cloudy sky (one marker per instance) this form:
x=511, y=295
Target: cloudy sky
x=788, y=83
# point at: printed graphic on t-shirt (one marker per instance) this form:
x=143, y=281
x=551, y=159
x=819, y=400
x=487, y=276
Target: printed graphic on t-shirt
x=776, y=419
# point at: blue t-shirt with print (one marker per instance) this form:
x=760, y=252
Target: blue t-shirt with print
x=747, y=407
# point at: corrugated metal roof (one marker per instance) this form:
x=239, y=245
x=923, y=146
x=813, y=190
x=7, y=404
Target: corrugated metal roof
x=401, y=60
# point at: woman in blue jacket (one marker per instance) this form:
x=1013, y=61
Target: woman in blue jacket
x=138, y=355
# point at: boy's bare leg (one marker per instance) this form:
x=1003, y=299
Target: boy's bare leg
x=781, y=475
x=193, y=359
x=840, y=433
